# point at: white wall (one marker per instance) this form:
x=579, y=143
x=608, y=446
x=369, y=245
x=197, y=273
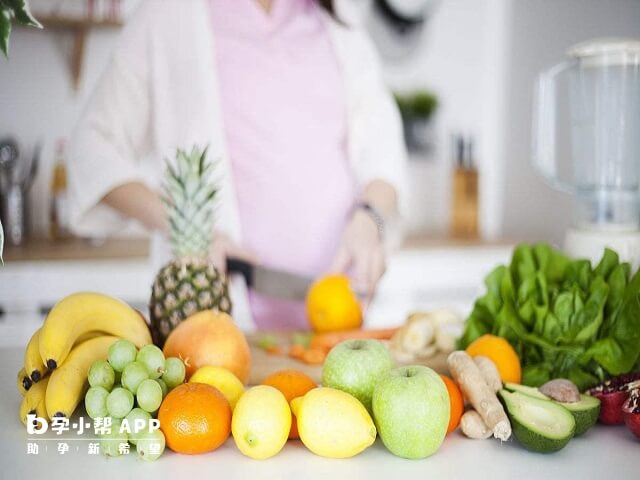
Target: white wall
x=539, y=33
x=450, y=61
x=37, y=101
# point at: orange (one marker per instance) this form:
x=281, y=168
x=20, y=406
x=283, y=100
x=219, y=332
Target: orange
x=195, y=418
x=456, y=401
x=501, y=353
x=332, y=305
x=210, y=338
x=292, y=384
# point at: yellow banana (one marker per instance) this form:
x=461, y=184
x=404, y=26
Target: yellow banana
x=34, y=401
x=32, y=357
x=83, y=312
x=68, y=383
x=33, y=364
x=24, y=382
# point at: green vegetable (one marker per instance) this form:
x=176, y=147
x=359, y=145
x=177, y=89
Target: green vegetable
x=18, y=10
x=266, y=342
x=301, y=338
x=564, y=318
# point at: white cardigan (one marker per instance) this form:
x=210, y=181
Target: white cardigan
x=160, y=92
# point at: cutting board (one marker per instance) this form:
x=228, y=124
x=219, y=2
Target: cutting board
x=264, y=364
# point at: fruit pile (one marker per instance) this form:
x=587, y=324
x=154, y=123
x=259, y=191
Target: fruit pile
x=129, y=387
x=542, y=419
x=94, y=347
x=77, y=331
x=410, y=405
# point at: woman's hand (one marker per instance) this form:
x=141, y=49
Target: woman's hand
x=223, y=247
x=362, y=254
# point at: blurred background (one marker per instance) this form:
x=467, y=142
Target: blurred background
x=463, y=72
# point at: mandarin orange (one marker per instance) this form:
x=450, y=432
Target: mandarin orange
x=292, y=384
x=195, y=418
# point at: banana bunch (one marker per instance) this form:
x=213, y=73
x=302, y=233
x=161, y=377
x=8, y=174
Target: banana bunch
x=78, y=331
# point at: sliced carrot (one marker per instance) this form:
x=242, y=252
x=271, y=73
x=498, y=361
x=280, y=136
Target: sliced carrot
x=314, y=356
x=274, y=350
x=327, y=341
x=296, y=351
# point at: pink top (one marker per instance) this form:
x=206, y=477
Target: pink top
x=283, y=107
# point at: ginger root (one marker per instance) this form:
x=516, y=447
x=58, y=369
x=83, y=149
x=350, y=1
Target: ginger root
x=467, y=374
x=473, y=426
x=489, y=372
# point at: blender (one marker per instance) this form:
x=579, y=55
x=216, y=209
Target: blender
x=587, y=142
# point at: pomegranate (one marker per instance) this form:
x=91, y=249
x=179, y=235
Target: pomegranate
x=631, y=411
x=612, y=395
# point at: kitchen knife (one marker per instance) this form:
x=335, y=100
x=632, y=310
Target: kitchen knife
x=271, y=282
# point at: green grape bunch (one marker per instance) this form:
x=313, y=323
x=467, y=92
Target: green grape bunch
x=131, y=384
x=10, y=11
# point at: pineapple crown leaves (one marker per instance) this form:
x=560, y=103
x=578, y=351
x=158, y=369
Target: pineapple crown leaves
x=18, y=10
x=189, y=197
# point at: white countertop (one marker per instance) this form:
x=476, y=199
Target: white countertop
x=602, y=453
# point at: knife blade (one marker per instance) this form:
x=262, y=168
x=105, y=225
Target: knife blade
x=271, y=282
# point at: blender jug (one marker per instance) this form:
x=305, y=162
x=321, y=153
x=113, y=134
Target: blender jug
x=590, y=105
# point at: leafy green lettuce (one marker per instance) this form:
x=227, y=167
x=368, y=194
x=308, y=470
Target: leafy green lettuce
x=563, y=317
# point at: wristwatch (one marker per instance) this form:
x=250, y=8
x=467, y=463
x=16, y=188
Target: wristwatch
x=375, y=215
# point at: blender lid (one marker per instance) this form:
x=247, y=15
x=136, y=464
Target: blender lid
x=610, y=50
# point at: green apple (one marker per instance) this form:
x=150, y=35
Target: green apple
x=411, y=410
x=355, y=366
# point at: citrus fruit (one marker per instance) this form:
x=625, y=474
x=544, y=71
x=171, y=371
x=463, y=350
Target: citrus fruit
x=456, y=402
x=210, y=338
x=261, y=422
x=501, y=353
x=332, y=305
x=222, y=379
x=195, y=418
x=292, y=384
x=333, y=423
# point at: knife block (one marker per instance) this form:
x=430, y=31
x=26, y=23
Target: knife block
x=464, y=205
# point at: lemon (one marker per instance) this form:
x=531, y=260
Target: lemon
x=261, y=422
x=222, y=379
x=333, y=423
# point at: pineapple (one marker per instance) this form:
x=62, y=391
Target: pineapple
x=189, y=283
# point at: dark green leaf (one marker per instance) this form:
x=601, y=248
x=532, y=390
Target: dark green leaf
x=608, y=262
x=5, y=31
x=563, y=317
x=536, y=375
x=23, y=14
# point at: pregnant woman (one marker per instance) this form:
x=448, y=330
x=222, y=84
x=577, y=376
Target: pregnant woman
x=290, y=100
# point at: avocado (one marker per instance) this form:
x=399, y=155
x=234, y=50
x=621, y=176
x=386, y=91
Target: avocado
x=531, y=391
x=585, y=412
x=539, y=425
